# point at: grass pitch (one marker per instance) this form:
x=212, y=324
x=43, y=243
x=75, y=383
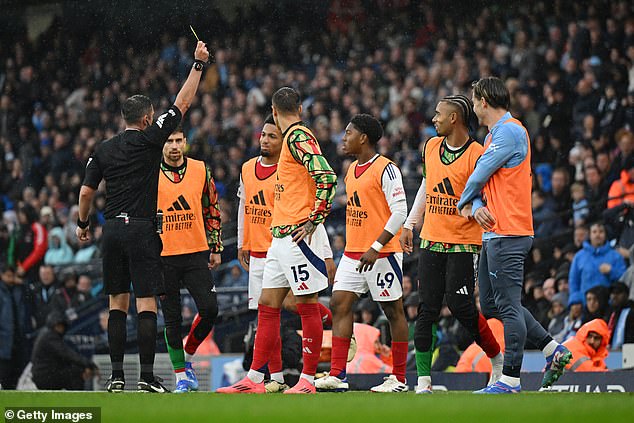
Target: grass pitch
x=364, y=407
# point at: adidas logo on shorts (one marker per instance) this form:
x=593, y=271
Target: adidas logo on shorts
x=463, y=291
x=302, y=287
x=384, y=293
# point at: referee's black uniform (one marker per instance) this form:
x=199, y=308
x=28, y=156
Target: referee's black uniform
x=129, y=163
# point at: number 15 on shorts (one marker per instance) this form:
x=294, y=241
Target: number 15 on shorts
x=300, y=273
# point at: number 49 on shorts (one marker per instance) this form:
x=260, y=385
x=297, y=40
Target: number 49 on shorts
x=382, y=281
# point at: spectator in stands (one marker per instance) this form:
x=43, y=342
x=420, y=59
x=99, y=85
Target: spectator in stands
x=560, y=194
x=628, y=276
x=408, y=286
x=546, y=223
x=338, y=245
x=55, y=364
x=596, y=264
x=589, y=347
x=538, y=305
x=47, y=218
x=572, y=322
x=68, y=296
x=14, y=326
x=596, y=192
x=59, y=252
x=550, y=289
x=236, y=277
x=561, y=278
x=29, y=238
x=597, y=304
x=43, y=292
x=622, y=189
x=621, y=321
x=580, y=235
x=4, y=243
x=580, y=205
x=620, y=216
x=625, y=143
x=411, y=311
x=84, y=285
x=557, y=313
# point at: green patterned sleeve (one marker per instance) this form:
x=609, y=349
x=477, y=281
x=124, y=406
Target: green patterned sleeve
x=211, y=214
x=305, y=149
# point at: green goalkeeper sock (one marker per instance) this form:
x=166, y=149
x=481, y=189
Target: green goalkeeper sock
x=177, y=356
x=424, y=358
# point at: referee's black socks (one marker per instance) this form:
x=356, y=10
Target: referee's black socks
x=146, y=338
x=116, y=340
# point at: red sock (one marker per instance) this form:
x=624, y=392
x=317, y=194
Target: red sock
x=487, y=340
x=266, y=336
x=275, y=362
x=192, y=343
x=399, y=360
x=339, y=356
x=313, y=331
x=326, y=314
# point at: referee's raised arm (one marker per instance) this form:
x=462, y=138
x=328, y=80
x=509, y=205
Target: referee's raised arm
x=188, y=91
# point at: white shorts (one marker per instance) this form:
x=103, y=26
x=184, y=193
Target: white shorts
x=384, y=281
x=298, y=266
x=256, y=272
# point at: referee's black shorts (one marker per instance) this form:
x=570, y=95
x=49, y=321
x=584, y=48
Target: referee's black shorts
x=132, y=255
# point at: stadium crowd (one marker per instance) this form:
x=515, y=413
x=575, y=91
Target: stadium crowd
x=569, y=67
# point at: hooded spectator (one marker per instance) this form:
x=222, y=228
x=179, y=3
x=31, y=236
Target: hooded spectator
x=589, y=347
x=474, y=359
x=59, y=252
x=372, y=356
x=55, y=364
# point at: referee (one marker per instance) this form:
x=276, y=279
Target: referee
x=129, y=163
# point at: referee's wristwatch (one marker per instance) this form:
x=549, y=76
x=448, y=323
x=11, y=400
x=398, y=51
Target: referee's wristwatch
x=199, y=65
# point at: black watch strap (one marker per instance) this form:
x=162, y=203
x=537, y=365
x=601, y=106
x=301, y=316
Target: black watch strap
x=83, y=225
x=199, y=65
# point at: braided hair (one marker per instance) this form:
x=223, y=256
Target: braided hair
x=463, y=103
